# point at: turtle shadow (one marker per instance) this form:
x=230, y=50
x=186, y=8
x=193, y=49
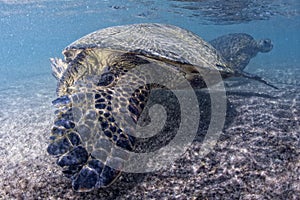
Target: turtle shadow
x=171, y=125
x=206, y=114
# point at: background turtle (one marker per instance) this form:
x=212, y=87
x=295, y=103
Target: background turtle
x=101, y=95
x=237, y=49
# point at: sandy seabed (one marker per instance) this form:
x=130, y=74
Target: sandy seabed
x=256, y=157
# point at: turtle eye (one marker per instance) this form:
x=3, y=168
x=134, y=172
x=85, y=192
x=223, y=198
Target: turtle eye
x=106, y=79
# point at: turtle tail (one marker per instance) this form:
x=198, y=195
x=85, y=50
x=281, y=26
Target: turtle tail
x=254, y=77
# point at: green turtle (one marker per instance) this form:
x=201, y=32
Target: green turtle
x=101, y=95
x=238, y=49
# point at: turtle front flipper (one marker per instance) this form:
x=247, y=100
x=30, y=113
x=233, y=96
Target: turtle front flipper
x=94, y=133
x=95, y=123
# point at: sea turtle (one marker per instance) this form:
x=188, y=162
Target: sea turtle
x=97, y=110
x=237, y=49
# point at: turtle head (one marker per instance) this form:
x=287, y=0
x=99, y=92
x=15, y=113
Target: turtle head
x=264, y=45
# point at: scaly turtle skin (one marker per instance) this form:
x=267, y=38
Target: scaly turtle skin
x=238, y=48
x=97, y=109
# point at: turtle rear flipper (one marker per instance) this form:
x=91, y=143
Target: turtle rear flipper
x=254, y=77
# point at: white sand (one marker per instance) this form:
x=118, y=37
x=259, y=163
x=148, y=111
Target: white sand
x=256, y=157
